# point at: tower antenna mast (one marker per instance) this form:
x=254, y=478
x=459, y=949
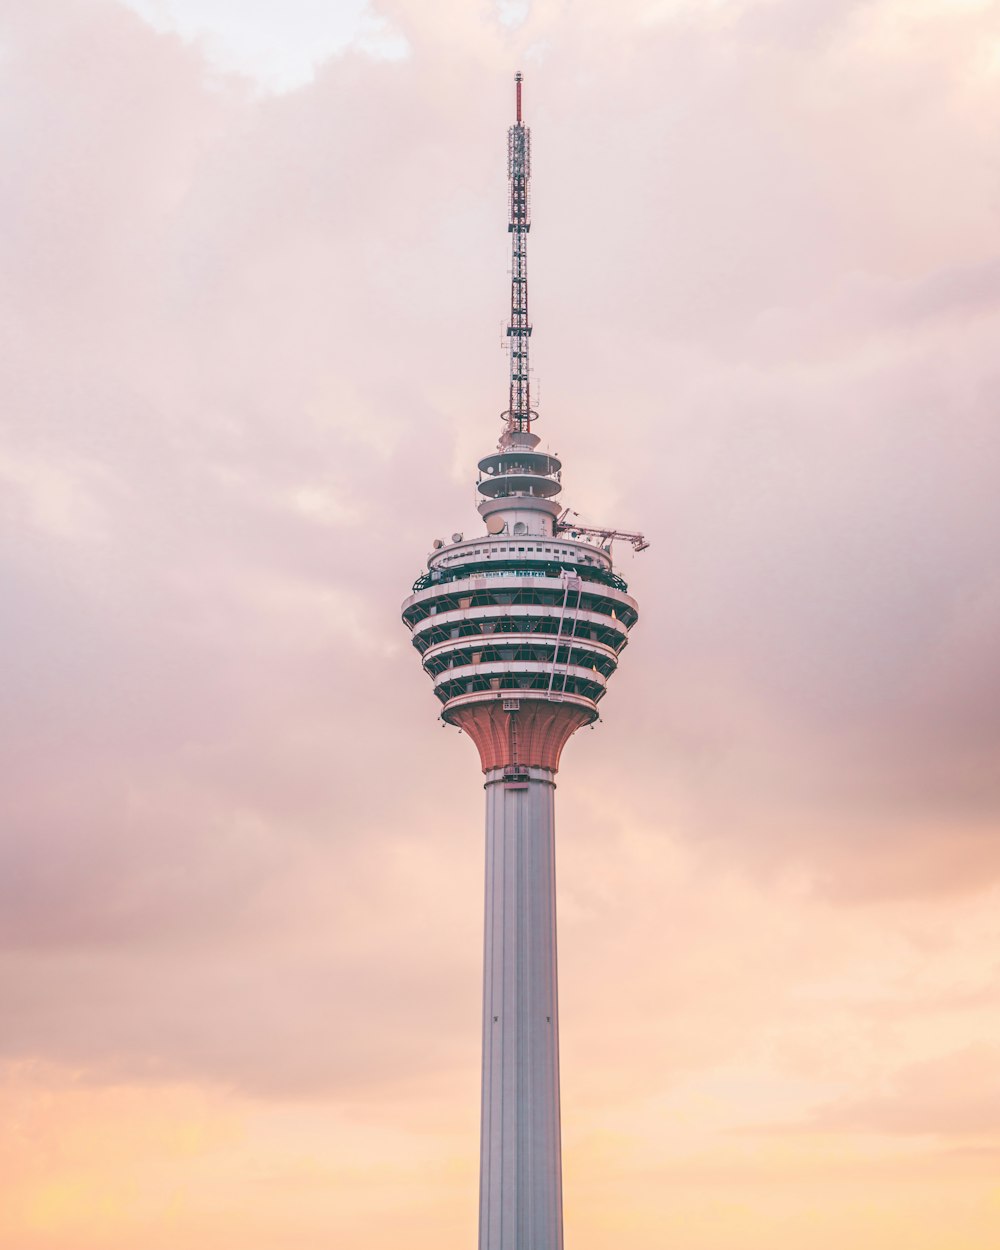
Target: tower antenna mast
x=519, y=414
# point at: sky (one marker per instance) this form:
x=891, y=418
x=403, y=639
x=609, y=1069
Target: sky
x=253, y=267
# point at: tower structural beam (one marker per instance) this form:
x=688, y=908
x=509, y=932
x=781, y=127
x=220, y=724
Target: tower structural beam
x=520, y=1165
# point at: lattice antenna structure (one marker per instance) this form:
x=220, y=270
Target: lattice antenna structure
x=519, y=414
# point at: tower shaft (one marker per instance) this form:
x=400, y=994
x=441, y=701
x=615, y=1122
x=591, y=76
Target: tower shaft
x=520, y=1192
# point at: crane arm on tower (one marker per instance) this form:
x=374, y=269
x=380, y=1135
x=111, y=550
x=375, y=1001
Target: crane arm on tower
x=638, y=541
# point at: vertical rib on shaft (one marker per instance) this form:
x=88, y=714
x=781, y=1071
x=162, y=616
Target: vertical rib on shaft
x=520, y=1195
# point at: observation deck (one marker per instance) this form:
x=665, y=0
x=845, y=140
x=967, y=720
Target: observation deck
x=519, y=471
x=524, y=623
x=520, y=629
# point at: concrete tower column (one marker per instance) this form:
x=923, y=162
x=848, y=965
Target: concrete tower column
x=520, y=1192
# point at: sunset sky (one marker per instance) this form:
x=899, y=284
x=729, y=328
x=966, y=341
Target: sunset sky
x=253, y=266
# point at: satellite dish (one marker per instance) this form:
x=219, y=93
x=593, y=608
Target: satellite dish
x=456, y=538
x=495, y=525
x=438, y=544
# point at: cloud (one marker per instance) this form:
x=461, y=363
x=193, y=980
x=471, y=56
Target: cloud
x=251, y=360
x=279, y=49
x=955, y=1096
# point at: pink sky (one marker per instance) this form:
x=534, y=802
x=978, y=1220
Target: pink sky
x=250, y=358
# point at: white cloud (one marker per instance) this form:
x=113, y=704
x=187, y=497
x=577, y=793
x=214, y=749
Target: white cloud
x=277, y=42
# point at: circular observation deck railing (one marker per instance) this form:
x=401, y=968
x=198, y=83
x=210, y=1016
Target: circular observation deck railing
x=509, y=485
x=518, y=568
x=520, y=471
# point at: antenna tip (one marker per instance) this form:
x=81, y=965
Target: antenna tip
x=518, y=79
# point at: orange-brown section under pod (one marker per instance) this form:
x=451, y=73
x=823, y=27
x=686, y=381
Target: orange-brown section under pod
x=534, y=735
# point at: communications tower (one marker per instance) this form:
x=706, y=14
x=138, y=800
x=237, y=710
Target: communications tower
x=520, y=629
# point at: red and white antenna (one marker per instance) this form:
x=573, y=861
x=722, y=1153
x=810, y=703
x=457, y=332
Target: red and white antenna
x=519, y=414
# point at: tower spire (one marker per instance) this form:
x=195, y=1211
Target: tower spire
x=519, y=414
